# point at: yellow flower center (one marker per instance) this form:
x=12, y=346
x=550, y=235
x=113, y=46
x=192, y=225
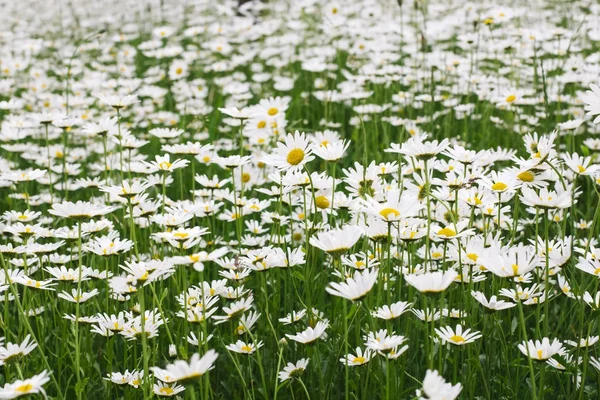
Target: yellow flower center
x=457, y=339
x=245, y=177
x=295, y=156
x=515, y=269
x=322, y=202
x=511, y=98
x=24, y=388
x=166, y=390
x=165, y=165
x=581, y=169
x=539, y=354
x=385, y=213
x=472, y=256
x=526, y=176
x=178, y=71
x=359, y=360
x=436, y=254
x=261, y=124
x=181, y=235
x=272, y=111
x=246, y=348
x=499, y=186
x=448, y=232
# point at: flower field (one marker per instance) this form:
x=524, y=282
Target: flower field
x=294, y=199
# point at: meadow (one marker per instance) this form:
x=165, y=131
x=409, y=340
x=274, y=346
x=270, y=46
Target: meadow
x=296, y=199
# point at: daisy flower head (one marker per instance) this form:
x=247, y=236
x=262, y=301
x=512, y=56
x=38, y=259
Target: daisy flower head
x=22, y=387
x=591, y=98
x=186, y=372
x=79, y=211
x=292, y=154
x=457, y=336
x=291, y=370
x=361, y=358
x=432, y=282
x=541, y=350
x=310, y=334
x=435, y=387
x=356, y=287
x=337, y=241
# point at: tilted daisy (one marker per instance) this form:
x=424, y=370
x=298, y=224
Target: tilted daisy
x=79, y=211
x=541, y=350
x=493, y=303
x=361, y=357
x=243, y=347
x=435, y=387
x=392, y=311
x=458, y=336
x=337, y=241
x=356, y=287
x=436, y=281
x=310, y=334
x=291, y=370
x=186, y=372
x=23, y=387
x=167, y=390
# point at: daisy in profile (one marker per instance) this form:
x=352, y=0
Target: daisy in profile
x=541, y=350
x=392, y=311
x=310, y=334
x=186, y=372
x=79, y=211
x=356, y=287
x=361, y=357
x=291, y=370
x=13, y=350
x=243, y=347
x=333, y=151
x=167, y=390
x=118, y=102
x=493, y=303
x=25, y=387
x=435, y=387
x=458, y=336
x=398, y=205
x=292, y=154
x=337, y=241
x=164, y=164
x=416, y=147
x=432, y=282
x=591, y=98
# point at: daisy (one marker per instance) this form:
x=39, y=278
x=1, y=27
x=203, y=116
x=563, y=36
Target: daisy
x=396, y=206
x=356, y=287
x=457, y=337
x=436, y=388
x=337, y=241
x=79, y=211
x=118, y=102
x=163, y=163
x=361, y=357
x=493, y=303
x=392, y=311
x=293, y=154
x=13, y=350
x=432, y=282
x=541, y=350
x=310, y=334
x=167, y=390
x=291, y=370
x=186, y=372
x=24, y=387
x=244, y=348
x=591, y=98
